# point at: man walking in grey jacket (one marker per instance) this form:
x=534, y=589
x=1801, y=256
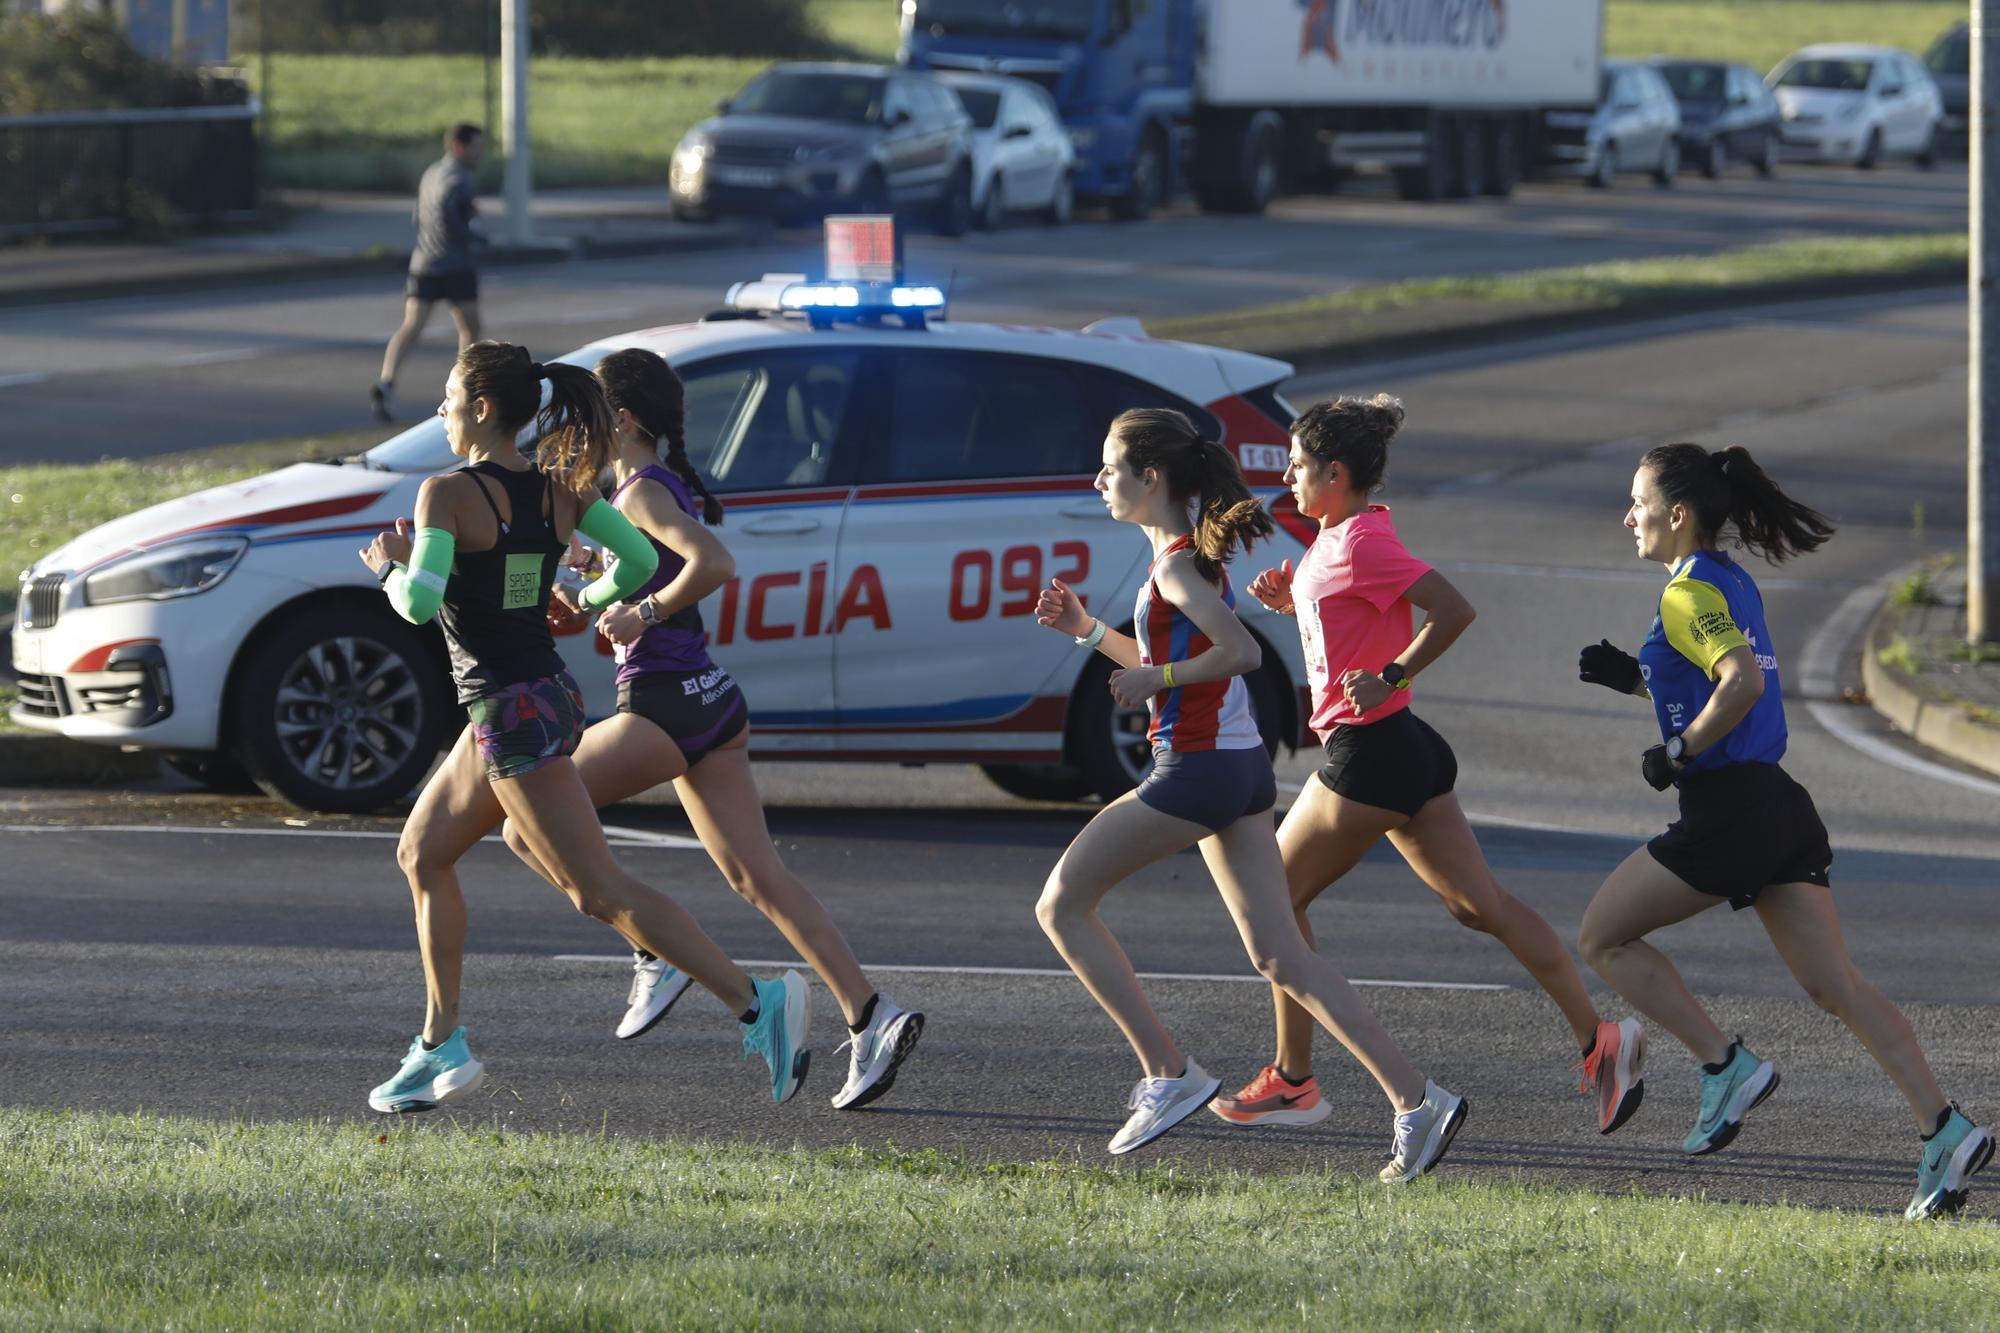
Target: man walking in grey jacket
x=443, y=267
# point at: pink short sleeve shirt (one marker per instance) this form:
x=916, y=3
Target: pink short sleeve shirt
x=1349, y=591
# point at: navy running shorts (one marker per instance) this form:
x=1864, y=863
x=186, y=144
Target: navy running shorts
x=1743, y=828
x=1213, y=788
x=701, y=710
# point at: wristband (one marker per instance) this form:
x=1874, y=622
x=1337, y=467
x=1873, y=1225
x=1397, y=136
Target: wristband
x=1095, y=637
x=1167, y=675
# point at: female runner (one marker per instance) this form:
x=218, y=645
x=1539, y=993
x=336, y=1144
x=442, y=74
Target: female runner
x=682, y=719
x=487, y=540
x=1210, y=785
x=1387, y=773
x=1747, y=834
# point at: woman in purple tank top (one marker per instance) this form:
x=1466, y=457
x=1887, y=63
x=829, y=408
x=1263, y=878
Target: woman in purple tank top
x=682, y=719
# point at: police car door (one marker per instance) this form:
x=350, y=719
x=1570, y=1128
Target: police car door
x=976, y=493
x=773, y=435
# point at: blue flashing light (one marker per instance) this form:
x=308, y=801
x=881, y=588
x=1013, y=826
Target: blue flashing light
x=824, y=303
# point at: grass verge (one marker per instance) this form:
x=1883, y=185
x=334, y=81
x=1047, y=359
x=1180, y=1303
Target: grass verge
x=1408, y=308
x=1760, y=33
x=106, y=1221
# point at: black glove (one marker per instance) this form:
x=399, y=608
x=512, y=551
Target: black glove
x=1613, y=668
x=1660, y=771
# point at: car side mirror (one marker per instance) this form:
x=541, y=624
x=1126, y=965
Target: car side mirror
x=1893, y=90
x=722, y=104
x=901, y=116
x=1017, y=132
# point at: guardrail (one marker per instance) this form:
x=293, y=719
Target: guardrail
x=84, y=171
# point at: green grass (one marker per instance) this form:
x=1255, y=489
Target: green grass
x=1916, y=590
x=1762, y=32
x=112, y=1221
x=1899, y=654
x=1626, y=284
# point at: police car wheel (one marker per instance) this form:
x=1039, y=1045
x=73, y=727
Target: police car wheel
x=340, y=709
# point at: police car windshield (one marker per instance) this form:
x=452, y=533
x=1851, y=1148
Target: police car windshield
x=423, y=447
x=1057, y=20
x=853, y=99
x=1848, y=76
x=982, y=104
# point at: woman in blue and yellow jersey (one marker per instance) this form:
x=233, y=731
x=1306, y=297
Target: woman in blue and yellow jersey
x=1747, y=833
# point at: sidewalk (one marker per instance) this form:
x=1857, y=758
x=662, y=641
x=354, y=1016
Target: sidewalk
x=318, y=234
x=1921, y=674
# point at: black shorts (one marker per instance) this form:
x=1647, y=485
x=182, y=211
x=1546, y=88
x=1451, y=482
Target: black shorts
x=1213, y=788
x=457, y=288
x=701, y=710
x=1398, y=763
x=1742, y=829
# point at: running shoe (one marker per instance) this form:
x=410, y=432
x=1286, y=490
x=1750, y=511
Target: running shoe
x=1271, y=1099
x=1158, y=1104
x=656, y=984
x=429, y=1079
x=1612, y=1070
x=1424, y=1135
x=876, y=1052
x=1727, y=1097
x=379, y=398
x=1951, y=1158
x=778, y=1034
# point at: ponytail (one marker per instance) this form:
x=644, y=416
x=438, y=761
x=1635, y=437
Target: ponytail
x=1728, y=489
x=572, y=430
x=642, y=383
x=1227, y=514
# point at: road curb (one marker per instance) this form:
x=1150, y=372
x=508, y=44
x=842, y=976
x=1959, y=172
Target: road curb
x=284, y=269
x=1942, y=727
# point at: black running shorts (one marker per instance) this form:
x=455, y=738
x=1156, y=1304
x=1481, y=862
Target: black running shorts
x=458, y=288
x=702, y=710
x=1742, y=829
x=1398, y=763
x=1213, y=788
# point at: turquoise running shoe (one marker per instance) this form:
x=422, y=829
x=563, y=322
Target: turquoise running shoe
x=1727, y=1097
x=784, y=1007
x=1951, y=1157
x=429, y=1079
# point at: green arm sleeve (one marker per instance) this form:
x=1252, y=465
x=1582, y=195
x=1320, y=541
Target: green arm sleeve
x=635, y=556
x=418, y=591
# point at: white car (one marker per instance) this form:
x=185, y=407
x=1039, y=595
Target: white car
x=899, y=489
x=1859, y=104
x=1022, y=156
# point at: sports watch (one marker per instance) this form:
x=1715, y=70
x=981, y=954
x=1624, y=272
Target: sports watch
x=648, y=612
x=1677, y=749
x=1395, y=677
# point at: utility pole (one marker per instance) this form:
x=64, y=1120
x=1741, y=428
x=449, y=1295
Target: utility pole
x=519, y=178
x=1982, y=490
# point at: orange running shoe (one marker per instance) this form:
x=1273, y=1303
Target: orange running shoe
x=1612, y=1070
x=1269, y=1099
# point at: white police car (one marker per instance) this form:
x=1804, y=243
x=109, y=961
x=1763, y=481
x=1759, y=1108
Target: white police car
x=899, y=489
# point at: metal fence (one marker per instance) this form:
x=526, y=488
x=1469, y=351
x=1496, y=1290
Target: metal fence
x=82, y=171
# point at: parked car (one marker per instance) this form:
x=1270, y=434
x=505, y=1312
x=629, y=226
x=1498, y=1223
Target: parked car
x=1950, y=62
x=1636, y=127
x=1727, y=114
x=1859, y=104
x=803, y=139
x=899, y=489
x=1022, y=157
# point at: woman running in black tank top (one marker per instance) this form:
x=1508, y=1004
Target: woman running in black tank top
x=482, y=558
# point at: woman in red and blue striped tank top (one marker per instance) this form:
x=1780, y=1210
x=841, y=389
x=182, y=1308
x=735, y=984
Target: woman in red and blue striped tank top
x=1210, y=784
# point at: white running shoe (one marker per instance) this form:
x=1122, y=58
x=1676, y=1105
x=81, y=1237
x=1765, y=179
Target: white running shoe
x=1423, y=1134
x=1158, y=1104
x=876, y=1052
x=656, y=984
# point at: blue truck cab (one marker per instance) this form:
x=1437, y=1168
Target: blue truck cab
x=1121, y=72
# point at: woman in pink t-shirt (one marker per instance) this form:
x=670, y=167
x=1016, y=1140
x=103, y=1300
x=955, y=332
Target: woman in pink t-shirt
x=1387, y=773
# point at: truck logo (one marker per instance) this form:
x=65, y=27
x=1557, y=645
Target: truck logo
x=1390, y=23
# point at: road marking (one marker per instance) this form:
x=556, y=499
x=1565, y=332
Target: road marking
x=1831, y=717
x=29, y=377
x=216, y=357
x=1060, y=972
x=616, y=836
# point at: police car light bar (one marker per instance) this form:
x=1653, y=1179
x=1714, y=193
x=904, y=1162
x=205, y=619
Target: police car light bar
x=824, y=302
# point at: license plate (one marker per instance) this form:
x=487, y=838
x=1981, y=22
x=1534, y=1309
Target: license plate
x=755, y=177
x=28, y=654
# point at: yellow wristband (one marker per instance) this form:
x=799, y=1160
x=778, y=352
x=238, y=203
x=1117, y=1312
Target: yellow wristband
x=1167, y=675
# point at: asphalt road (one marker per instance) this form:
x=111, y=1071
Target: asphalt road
x=185, y=968
x=160, y=374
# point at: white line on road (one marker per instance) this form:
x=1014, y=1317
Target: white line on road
x=1832, y=717
x=216, y=357
x=618, y=837
x=1062, y=972
x=28, y=377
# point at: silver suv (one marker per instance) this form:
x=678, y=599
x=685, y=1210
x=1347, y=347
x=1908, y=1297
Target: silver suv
x=805, y=139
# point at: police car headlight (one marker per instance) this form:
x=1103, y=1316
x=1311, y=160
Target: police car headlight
x=694, y=148
x=177, y=569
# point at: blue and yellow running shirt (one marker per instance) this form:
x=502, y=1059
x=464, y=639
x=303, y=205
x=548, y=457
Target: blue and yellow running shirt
x=1709, y=608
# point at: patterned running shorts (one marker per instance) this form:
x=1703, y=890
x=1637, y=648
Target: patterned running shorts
x=527, y=725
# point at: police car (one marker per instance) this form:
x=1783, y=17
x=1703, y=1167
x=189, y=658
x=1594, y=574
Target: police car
x=899, y=488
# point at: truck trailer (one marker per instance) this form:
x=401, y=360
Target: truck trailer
x=1240, y=99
